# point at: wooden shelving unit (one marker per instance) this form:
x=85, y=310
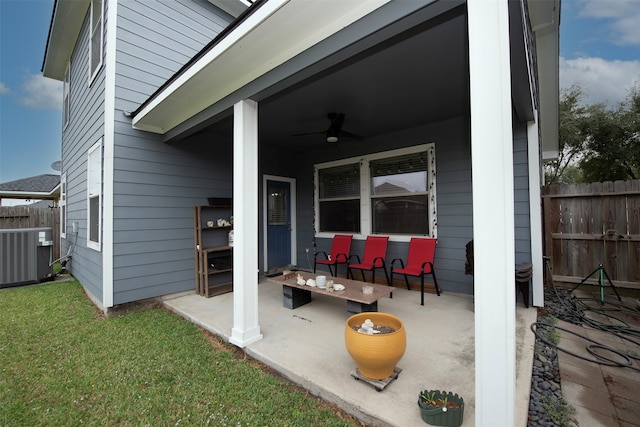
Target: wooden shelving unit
x=212, y=253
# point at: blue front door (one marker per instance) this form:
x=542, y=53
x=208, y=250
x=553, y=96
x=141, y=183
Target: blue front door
x=278, y=224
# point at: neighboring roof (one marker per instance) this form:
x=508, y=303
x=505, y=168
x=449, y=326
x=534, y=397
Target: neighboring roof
x=46, y=186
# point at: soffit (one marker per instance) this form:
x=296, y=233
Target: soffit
x=66, y=23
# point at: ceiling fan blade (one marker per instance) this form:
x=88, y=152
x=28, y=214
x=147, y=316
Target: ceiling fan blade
x=309, y=133
x=345, y=134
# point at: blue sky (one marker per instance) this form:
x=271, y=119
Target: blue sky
x=599, y=49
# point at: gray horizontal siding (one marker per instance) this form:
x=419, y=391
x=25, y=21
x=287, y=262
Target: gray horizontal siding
x=156, y=188
x=521, y=194
x=155, y=39
x=156, y=185
x=85, y=128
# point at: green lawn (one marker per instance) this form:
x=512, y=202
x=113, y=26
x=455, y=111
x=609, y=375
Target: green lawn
x=62, y=363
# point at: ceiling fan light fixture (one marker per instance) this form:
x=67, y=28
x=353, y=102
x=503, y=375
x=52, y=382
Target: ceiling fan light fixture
x=332, y=134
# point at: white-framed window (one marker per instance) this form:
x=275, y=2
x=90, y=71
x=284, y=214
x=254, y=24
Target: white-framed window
x=96, y=42
x=94, y=195
x=65, y=96
x=389, y=193
x=63, y=205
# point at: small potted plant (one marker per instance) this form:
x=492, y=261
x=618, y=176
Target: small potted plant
x=441, y=408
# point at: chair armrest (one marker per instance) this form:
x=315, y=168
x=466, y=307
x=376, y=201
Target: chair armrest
x=315, y=255
x=357, y=259
x=340, y=257
x=381, y=259
x=394, y=261
x=425, y=263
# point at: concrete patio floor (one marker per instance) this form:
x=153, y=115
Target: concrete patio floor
x=306, y=345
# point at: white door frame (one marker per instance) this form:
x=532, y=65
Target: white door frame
x=292, y=185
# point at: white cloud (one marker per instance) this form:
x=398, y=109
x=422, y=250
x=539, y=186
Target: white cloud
x=601, y=81
x=3, y=89
x=623, y=17
x=40, y=92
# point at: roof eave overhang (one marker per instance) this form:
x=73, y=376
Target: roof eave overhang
x=545, y=21
x=66, y=23
x=33, y=195
x=275, y=33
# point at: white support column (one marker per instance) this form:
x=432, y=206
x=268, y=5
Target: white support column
x=535, y=213
x=245, y=224
x=493, y=211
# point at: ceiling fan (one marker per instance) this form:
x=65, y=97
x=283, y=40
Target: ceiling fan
x=335, y=131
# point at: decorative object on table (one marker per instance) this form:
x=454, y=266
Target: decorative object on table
x=311, y=282
x=367, y=289
x=286, y=274
x=338, y=287
x=300, y=280
x=376, y=355
x=321, y=282
x=441, y=408
x=329, y=285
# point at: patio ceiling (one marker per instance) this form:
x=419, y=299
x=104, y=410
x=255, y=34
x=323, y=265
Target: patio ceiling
x=418, y=76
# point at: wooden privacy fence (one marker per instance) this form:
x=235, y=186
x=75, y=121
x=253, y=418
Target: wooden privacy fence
x=586, y=225
x=30, y=217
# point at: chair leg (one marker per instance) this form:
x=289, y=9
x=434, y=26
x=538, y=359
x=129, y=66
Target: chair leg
x=435, y=282
x=406, y=280
x=363, y=278
x=386, y=275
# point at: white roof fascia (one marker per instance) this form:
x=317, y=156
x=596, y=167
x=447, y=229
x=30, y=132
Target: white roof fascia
x=53, y=194
x=276, y=32
x=232, y=7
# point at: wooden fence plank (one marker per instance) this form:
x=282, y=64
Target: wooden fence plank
x=589, y=224
x=28, y=217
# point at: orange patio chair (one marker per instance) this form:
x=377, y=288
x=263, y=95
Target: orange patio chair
x=419, y=262
x=339, y=253
x=375, y=251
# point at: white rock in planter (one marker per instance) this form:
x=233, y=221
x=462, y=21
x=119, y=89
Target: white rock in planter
x=367, y=328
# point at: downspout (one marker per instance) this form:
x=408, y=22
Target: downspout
x=109, y=153
x=535, y=211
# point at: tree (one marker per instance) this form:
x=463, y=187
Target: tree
x=596, y=143
x=571, y=139
x=612, y=146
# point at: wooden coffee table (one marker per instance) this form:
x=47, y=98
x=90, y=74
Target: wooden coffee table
x=295, y=295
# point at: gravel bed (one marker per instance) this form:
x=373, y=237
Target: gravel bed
x=546, y=400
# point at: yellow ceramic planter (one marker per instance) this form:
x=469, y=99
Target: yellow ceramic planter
x=375, y=355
